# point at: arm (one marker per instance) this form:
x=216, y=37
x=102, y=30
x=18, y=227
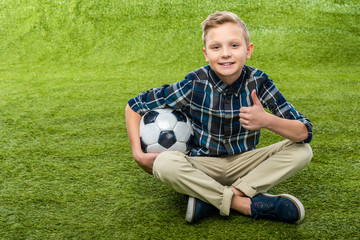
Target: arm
x=255, y=117
x=145, y=160
x=175, y=96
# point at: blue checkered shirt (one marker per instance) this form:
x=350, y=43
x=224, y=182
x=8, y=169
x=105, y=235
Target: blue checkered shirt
x=213, y=106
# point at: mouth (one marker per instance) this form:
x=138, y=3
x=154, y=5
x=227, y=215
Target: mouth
x=227, y=64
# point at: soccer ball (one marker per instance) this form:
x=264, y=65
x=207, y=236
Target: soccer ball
x=165, y=129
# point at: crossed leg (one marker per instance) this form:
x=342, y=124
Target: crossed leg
x=231, y=182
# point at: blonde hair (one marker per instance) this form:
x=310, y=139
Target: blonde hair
x=218, y=18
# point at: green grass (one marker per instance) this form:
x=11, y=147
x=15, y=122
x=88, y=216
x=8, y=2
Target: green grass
x=67, y=69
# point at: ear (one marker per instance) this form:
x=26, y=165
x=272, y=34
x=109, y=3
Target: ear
x=205, y=54
x=249, y=50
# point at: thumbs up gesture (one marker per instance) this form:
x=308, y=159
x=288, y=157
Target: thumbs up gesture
x=254, y=117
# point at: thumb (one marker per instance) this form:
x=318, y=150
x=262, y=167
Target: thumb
x=255, y=99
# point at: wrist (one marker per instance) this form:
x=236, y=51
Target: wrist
x=268, y=121
x=138, y=155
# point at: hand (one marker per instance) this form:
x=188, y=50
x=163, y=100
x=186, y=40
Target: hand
x=146, y=160
x=255, y=117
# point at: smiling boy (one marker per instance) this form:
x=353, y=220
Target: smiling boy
x=225, y=101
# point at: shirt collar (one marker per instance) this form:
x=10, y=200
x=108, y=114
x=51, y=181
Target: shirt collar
x=225, y=89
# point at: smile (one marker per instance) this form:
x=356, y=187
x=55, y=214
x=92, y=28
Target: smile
x=226, y=64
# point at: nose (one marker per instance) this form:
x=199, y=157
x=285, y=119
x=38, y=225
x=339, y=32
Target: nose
x=226, y=52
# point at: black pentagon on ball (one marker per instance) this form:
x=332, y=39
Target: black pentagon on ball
x=167, y=139
x=143, y=145
x=179, y=116
x=189, y=143
x=150, y=117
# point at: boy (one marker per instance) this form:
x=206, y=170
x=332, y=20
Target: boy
x=225, y=101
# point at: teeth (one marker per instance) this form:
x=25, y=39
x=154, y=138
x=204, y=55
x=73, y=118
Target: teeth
x=226, y=64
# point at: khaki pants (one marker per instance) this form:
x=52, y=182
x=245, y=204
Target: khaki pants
x=252, y=172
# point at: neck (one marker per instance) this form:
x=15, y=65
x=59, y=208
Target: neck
x=230, y=80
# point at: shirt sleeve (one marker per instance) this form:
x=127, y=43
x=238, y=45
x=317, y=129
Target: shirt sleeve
x=272, y=99
x=174, y=96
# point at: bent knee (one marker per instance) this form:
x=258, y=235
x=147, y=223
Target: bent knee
x=167, y=164
x=306, y=152
x=303, y=155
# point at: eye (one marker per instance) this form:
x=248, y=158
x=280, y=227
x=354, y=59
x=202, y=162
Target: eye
x=234, y=45
x=215, y=47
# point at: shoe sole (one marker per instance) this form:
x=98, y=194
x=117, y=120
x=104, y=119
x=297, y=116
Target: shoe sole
x=190, y=210
x=297, y=202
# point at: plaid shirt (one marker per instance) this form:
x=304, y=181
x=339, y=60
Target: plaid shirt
x=214, y=107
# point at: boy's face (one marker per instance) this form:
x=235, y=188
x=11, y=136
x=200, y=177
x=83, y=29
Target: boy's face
x=226, y=51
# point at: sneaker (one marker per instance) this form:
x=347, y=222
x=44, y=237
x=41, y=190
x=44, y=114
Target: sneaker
x=283, y=207
x=197, y=209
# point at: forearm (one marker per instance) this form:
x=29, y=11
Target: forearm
x=291, y=129
x=255, y=118
x=132, y=125
x=144, y=160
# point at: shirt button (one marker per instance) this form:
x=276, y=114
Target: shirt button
x=227, y=101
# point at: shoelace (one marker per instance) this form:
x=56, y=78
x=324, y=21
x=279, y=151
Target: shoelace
x=266, y=205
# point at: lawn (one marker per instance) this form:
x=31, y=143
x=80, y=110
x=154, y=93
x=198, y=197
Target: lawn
x=68, y=67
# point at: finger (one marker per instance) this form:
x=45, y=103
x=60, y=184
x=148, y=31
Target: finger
x=244, y=109
x=243, y=115
x=244, y=121
x=151, y=156
x=154, y=155
x=255, y=99
x=244, y=125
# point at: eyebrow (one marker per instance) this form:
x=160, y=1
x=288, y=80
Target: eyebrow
x=214, y=42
